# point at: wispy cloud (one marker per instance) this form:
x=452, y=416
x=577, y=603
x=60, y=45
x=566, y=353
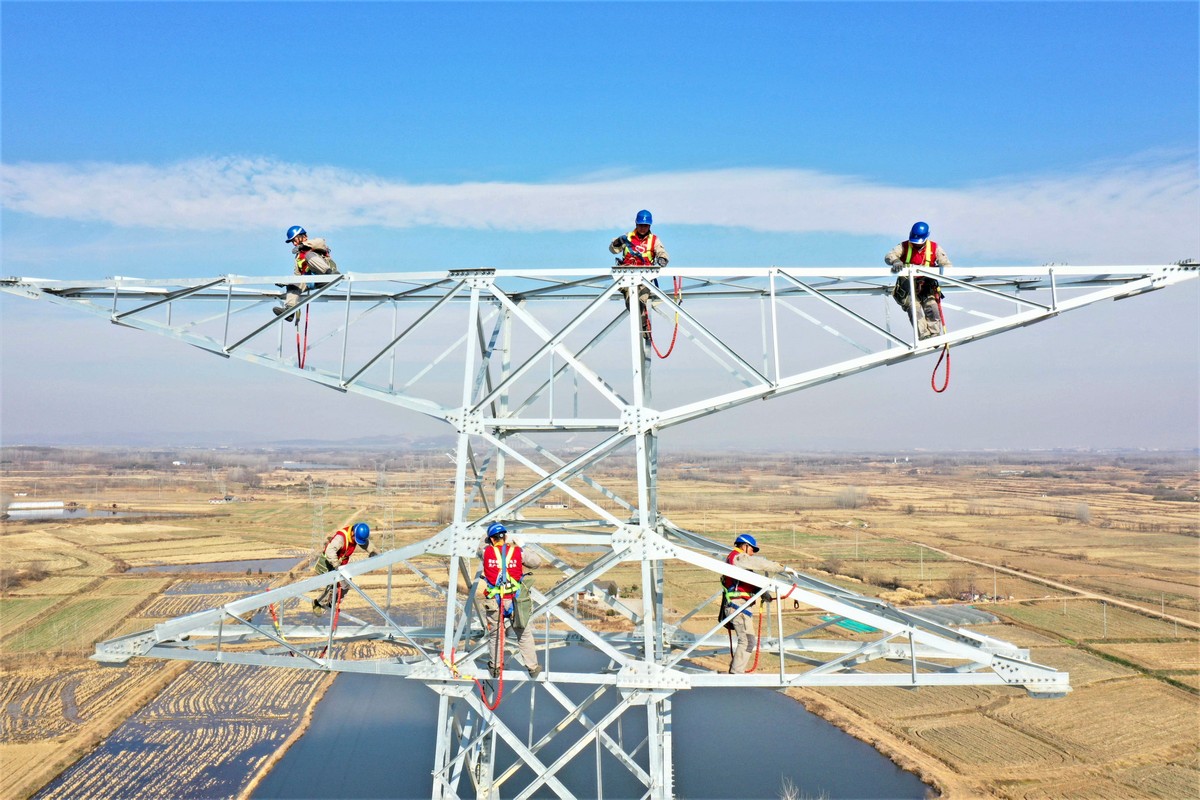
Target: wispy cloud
x=1143, y=210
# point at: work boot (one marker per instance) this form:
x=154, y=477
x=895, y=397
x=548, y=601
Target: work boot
x=290, y=317
x=493, y=670
x=535, y=670
x=319, y=608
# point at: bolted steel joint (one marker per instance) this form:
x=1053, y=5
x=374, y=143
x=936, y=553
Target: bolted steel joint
x=636, y=421
x=466, y=421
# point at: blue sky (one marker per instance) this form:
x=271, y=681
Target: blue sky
x=177, y=139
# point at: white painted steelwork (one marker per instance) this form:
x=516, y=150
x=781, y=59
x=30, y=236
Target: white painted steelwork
x=545, y=376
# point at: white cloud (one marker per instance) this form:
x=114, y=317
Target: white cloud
x=1144, y=210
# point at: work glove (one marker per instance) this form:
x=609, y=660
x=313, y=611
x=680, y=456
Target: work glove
x=896, y=267
x=791, y=572
x=768, y=597
x=616, y=243
x=660, y=262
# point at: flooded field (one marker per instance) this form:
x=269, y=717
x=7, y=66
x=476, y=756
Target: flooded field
x=263, y=565
x=167, y=749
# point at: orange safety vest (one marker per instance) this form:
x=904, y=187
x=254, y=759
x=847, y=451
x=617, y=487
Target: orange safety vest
x=503, y=570
x=923, y=255
x=641, y=251
x=348, y=545
x=302, y=261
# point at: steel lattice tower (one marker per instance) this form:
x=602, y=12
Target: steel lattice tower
x=545, y=376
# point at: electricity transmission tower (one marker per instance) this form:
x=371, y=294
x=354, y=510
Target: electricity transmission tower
x=546, y=378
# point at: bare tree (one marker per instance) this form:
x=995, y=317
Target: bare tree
x=851, y=497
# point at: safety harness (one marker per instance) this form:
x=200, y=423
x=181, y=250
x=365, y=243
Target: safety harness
x=505, y=584
x=632, y=256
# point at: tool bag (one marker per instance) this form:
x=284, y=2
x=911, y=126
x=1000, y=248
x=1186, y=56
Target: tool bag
x=523, y=604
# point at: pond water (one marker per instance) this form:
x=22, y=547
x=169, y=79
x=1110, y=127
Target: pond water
x=242, y=586
x=728, y=743
x=255, y=566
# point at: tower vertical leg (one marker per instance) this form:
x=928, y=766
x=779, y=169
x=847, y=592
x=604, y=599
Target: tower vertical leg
x=441, y=753
x=658, y=724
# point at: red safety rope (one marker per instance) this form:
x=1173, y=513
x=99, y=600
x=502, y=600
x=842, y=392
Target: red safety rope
x=337, y=607
x=495, y=702
x=945, y=355
x=302, y=352
x=674, y=334
x=758, y=639
x=275, y=619
x=337, y=610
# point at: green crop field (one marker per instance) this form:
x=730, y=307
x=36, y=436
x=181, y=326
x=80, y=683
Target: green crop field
x=74, y=626
x=15, y=612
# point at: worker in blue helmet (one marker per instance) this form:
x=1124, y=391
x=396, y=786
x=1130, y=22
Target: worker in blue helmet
x=340, y=545
x=506, y=599
x=313, y=257
x=922, y=252
x=640, y=247
x=735, y=598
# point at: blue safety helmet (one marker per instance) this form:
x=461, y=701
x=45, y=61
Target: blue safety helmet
x=746, y=538
x=362, y=533
x=293, y=232
x=919, y=233
x=496, y=529
x=644, y=217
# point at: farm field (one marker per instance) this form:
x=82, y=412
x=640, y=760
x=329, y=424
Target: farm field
x=1089, y=560
x=188, y=723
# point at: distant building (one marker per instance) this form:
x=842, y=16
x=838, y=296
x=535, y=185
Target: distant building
x=35, y=509
x=36, y=505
